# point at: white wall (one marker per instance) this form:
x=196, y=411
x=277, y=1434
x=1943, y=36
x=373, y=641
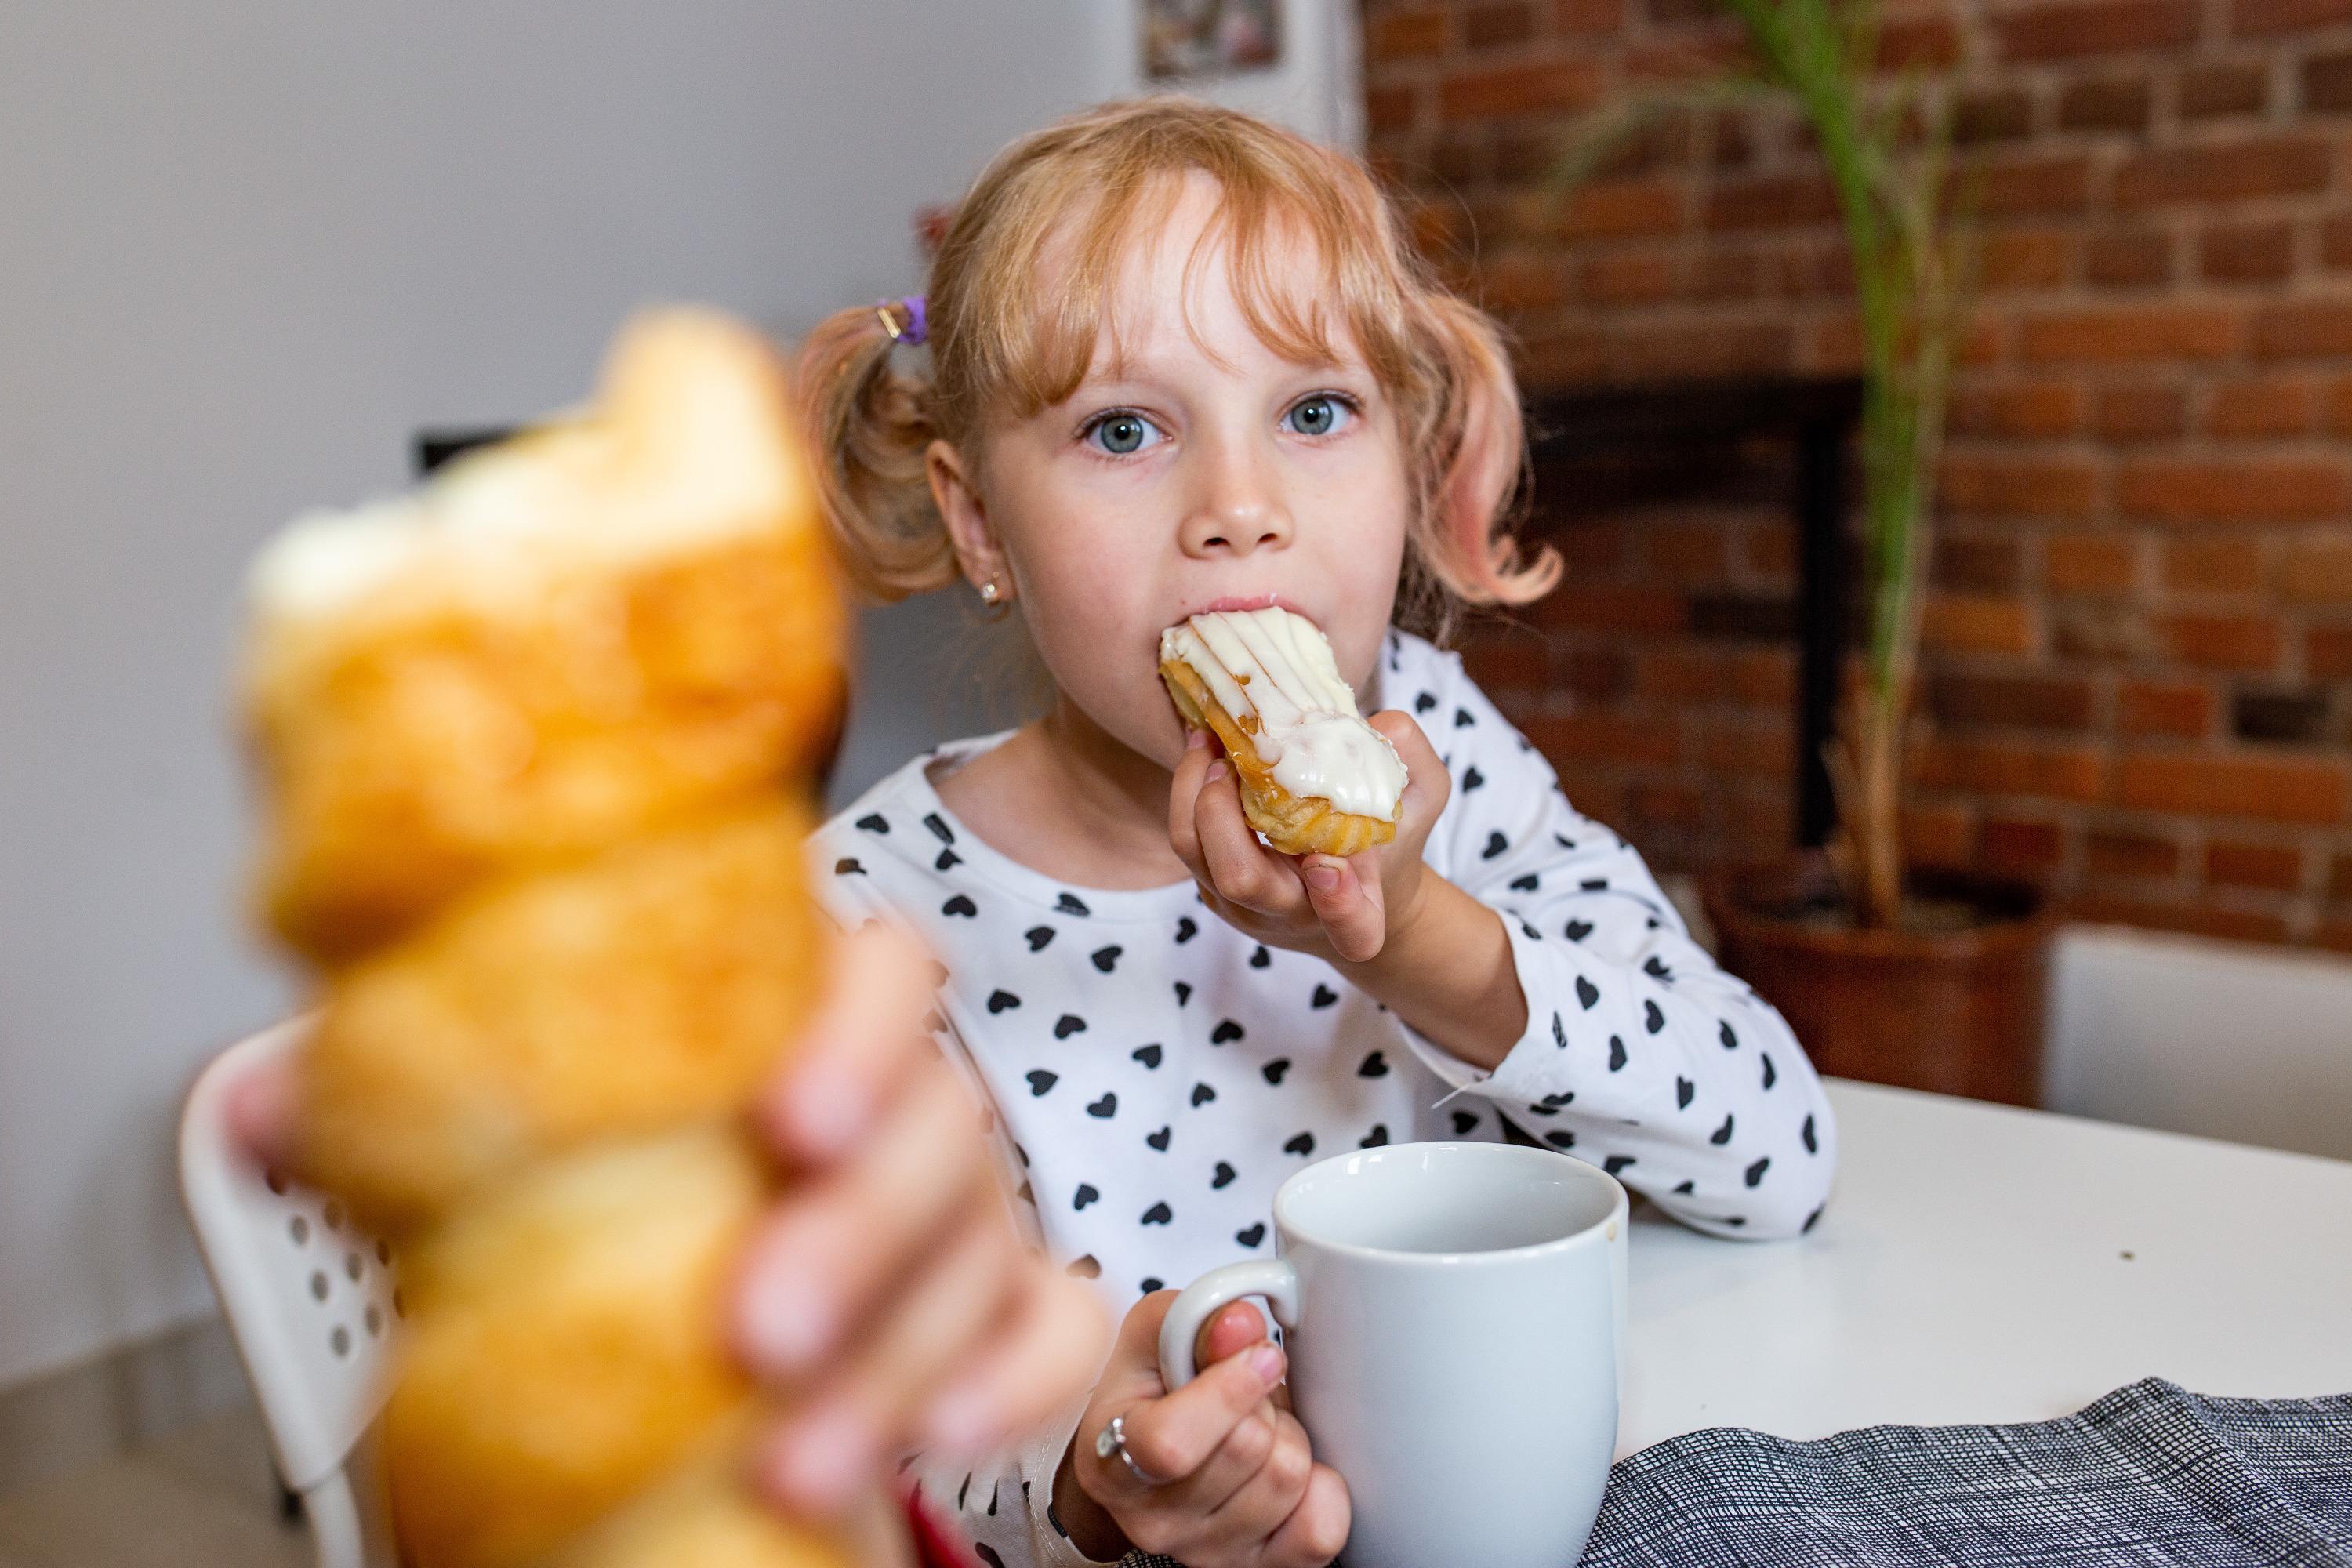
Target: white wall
x=248, y=249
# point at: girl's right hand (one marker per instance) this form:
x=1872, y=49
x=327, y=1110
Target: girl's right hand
x=1241, y=1487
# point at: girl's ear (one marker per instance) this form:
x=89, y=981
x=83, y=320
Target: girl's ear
x=958, y=499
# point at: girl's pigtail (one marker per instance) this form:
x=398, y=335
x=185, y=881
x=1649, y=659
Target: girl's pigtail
x=1479, y=457
x=868, y=428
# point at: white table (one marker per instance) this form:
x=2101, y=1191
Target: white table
x=1978, y=1263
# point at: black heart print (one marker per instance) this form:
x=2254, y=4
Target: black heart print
x=847, y=866
x=1424, y=702
x=1472, y=780
x=1587, y=993
x=1224, y=1175
x=1554, y=1101
x=1375, y=1137
x=1687, y=1188
x=1041, y=1080
x=947, y=857
x=1027, y=1194
x=1275, y=1069
x=1068, y=1023
x=1302, y=1145
x=1561, y=1137
x=1261, y=958
x=1374, y=1066
x=1071, y=904
x=1577, y=931
x=1811, y=1220
x=1683, y=1089
x=1038, y=937
x=1225, y=1033
x=1653, y=1017
x=875, y=822
x=1594, y=884
x=1771, y=1075
x=1755, y=1173
x=1084, y=1267
x=1462, y=720
x=1324, y=996
x=1147, y=1055
x=1202, y=1094
x=1526, y=884
x=1184, y=992
x=1616, y=1162
x=1151, y=1282
x=1496, y=845
x=1616, y=1054
x=1730, y=1041
x=1251, y=1236
x=998, y=1001
x=1655, y=970
x=1722, y=1134
x=938, y=828
x=1084, y=1195
x=1158, y=1140
x=960, y=904
x=1158, y=1213
x=983, y=1550
x=1107, y=1106
x=1811, y=1146
x=1185, y=930
x=1106, y=957
x=1463, y=1122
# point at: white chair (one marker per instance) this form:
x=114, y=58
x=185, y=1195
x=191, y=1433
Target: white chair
x=311, y=1301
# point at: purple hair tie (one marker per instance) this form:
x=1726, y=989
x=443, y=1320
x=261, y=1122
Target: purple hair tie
x=908, y=326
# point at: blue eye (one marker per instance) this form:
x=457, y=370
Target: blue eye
x=1122, y=433
x=1319, y=414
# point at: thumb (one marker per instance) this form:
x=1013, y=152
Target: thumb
x=1352, y=906
x=1427, y=785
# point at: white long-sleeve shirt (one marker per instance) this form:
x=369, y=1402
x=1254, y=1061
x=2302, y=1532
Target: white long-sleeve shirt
x=1155, y=1074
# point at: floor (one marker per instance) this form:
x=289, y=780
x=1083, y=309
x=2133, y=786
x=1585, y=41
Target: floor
x=203, y=1498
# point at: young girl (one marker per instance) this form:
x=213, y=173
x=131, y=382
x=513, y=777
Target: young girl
x=1182, y=362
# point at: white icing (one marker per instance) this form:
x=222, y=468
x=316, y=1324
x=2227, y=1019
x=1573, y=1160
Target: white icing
x=1278, y=668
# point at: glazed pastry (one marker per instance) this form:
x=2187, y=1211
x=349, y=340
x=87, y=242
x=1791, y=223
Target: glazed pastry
x=1315, y=778
x=534, y=743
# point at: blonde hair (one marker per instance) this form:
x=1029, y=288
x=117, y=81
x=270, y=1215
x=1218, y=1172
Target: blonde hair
x=999, y=351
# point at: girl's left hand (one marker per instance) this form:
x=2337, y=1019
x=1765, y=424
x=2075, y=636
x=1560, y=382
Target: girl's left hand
x=1344, y=910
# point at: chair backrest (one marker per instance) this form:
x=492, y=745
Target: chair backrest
x=311, y=1302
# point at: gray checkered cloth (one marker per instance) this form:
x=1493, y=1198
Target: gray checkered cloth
x=2150, y=1474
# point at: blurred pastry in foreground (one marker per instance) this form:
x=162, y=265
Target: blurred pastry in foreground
x=1315, y=778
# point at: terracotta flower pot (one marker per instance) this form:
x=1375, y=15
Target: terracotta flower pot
x=1955, y=1007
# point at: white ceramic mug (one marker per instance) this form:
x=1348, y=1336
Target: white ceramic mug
x=1455, y=1318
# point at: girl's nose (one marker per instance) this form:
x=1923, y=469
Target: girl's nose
x=1240, y=508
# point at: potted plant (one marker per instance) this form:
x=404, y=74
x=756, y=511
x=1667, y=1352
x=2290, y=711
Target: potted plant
x=1933, y=979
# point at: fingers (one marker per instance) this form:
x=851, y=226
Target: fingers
x=1047, y=1349
x=866, y=1035
x=820, y=1260
x=1232, y=1330
x=1260, y=1507
x=261, y=1109
x=1184, y=793
x=1173, y=1436
x=1351, y=906
x=1237, y=864
x=1427, y=783
x=1315, y=1528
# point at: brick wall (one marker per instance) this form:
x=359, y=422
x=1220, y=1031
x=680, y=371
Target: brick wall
x=2139, y=643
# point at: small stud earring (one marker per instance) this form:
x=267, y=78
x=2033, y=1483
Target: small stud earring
x=989, y=592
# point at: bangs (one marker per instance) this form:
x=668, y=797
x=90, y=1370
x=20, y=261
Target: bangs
x=1084, y=219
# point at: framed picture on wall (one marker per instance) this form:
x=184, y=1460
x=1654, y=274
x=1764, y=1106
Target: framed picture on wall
x=1184, y=39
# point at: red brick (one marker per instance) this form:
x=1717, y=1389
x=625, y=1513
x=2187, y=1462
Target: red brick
x=1588, y=18
x=2162, y=708
x=1939, y=834
x=2020, y=487
x=2269, y=789
x=2111, y=629
x=1973, y=623
x=1620, y=207
x=1523, y=278
x=2210, y=91
x=2327, y=84
x=1607, y=736
x=2105, y=103
x=2196, y=565
x=1504, y=659
x=2090, y=563
x=2033, y=410
x=1553, y=88
x=2306, y=329
x=2128, y=259
x=2132, y=413
x=2247, y=253
x=2319, y=571
x=2327, y=652
x=2335, y=408
x=2261, y=17
x=1976, y=566
x=2007, y=845
x=1388, y=108
x=2054, y=773
x=2119, y=332
x=2026, y=258
x=2101, y=26
x=1823, y=269
x=1691, y=553
x=1766, y=748
x=2339, y=879
x=1599, y=674
x=2001, y=114
x=1634, y=279
x=2335, y=243
x=1617, y=610
x=2221, y=642
x=2231, y=170
x=1403, y=35
x=2270, y=866
x=2040, y=185
x=2134, y=855
x=1498, y=27
x=2265, y=408
x=1771, y=203
x=2166, y=489
x=2197, y=920
x=2025, y=702
x=1718, y=274
x=1917, y=43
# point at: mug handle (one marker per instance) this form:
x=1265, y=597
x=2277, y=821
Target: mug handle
x=1272, y=1277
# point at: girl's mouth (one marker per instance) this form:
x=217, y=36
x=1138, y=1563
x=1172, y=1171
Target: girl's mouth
x=1243, y=602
